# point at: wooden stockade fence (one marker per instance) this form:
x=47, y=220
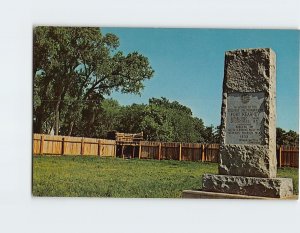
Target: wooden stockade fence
x=179, y=151
x=288, y=156
x=65, y=145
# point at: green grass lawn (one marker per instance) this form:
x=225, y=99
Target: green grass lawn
x=113, y=177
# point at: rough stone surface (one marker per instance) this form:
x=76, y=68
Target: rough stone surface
x=251, y=186
x=245, y=160
x=249, y=71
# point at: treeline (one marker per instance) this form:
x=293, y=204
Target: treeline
x=159, y=120
x=288, y=138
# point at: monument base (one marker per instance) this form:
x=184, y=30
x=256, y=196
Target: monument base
x=199, y=194
x=249, y=186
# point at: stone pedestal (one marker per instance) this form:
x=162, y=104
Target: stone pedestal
x=250, y=186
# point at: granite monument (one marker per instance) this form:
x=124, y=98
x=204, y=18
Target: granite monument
x=247, y=162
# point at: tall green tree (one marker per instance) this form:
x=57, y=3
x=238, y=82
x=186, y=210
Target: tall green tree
x=178, y=121
x=131, y=118
x=162, y=120
x=74, y=68
x=212, y=134
x=157, y=125
x=290, y=138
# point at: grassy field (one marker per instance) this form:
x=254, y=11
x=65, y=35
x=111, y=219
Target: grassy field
x=113, y=177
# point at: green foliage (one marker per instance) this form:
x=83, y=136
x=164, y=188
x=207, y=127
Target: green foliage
x=171, y=121
x=290, y=138
x=74, y=67
x=212, y=134
x=162, y=120
x=157, y=125
x=109, y=177
x=131, y=118
x=108, y=118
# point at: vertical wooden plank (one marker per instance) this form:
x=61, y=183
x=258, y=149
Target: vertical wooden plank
x=193, y=153
x=207, y=152
x=115, y=150
x=288, y=155
x=67, y=146
x=159, y=151
x=99, y=147
x=123, y=156
x=133, y=149
x=202, y=153
x=280, y=155
x=291, y=159
x=180, y=148
x=62, y=146
x=82, y=146
x=42, y=144
x=140, y=150
x=295, y=157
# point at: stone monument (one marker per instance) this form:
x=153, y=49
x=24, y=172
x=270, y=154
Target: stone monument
x=247, y=164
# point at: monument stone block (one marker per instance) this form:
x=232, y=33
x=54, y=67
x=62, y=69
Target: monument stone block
x=248, y=114
x=250, y=186
x=247, y=163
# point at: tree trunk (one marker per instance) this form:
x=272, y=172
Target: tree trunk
x=60, y=97
x=38, y=124
x=71, y=128
x=57, y=107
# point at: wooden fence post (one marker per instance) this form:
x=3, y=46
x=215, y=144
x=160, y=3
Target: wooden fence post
x=202, y=153
x=42, y=144
x=82, y=146
x=280, y=155
x=115, y=150
x=133, y=148
x=99, y=147
x=193, y=154
x=180, y=146
x=123, y=156
x=159, y=151
x=62, y=146
x=140, y=150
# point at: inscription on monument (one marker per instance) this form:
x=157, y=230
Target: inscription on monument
x=244, y=121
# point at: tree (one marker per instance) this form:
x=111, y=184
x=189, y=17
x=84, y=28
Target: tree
x=162, y=120
x=78, y=67
x=156, y=124
x=290, y=138
x=99, y=119
x=178, y=121
x=131, y=118
x=212, y=134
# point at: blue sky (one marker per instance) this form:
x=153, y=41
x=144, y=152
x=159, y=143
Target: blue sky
x=189, y=67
